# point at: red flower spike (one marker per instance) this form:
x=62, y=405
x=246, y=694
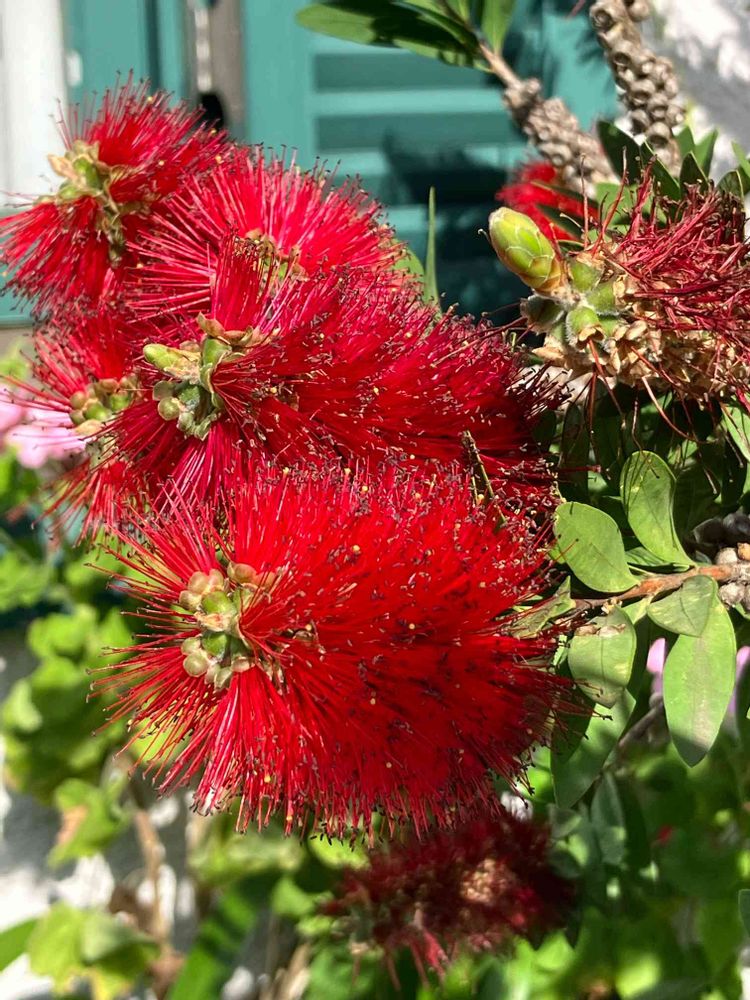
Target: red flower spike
x=351, y=647
x=117, y=167
x=476, y=888
x=297, y=216
x=83, y=370
x=533, y=186
x=328, y=368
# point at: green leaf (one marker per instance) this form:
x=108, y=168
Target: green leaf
x=692, y=173
x=647, y=488
x=91, y=819
x=743, y=901
x=591, y=544
x=686, y=610
x=623, y=152
x=104, y=936
x=212, y=958
x=336, y=854
x=576, y=766
x=54, y=947
x=733, y=184
x=569, y=225
x=699, y=678
x=743, y=166
x=494, y=20
x=704, y=150
x=608, y=819
x=736, y=420
x=575, y=446
x=380, y=22
x=431, y=292
x=601, y=656
x=685, y=141
x=13, y=941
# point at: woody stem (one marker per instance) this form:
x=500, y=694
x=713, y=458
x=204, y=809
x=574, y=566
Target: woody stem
x=655, y=585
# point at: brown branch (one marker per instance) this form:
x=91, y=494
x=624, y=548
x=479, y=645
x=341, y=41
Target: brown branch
x=639, y=730
x=738, y=572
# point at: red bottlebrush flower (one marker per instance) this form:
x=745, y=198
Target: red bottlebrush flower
x=297, y=216
x=117, y=166
x=339, y=648
x=663, y=306
x=329, y=368
x=532, y=186
x=82, y=372
x=476, y=888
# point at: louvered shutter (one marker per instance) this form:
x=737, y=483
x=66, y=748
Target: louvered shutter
x=404, y=122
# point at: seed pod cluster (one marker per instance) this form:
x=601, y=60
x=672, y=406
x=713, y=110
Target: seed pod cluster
x=557, y=134
x=726, y=540
x=648, y=82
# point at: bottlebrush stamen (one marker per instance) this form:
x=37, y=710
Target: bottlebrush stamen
x=325, y=647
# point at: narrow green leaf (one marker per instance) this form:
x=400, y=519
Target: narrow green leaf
x=699, y=678
x=13, y=941
x=577, y=766
x=589, y=541
x=667, y=184
x=685, y=141
x=430, y=266
x=736, y=420
x=212, y=958
x=743, y=901
x=692, y=173
x=704, y=150
x=686, y=610
x=575, y=446
x=601, y=656
x=733, y=184
x=565, y=222
x=743, y=165
x=608, y=820
x=494, y=20
x=647, y=489
x=623, y=152
x=380, y=22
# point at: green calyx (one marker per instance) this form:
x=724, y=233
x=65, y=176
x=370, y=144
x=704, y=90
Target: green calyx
x=216, y=602
x=525, y=250
x=187, y=396
x=94, y=406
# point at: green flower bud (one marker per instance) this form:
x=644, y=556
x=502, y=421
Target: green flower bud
x=192, y=644
x=204, y=583
x=169, y=409
x=178, y=363
x=240, y=664
x=96, y=411
x=197, y=664
x=525, y=250
x=583, y=275
x=87, y=172
x=120, y=401
x=213, y=351
x=541, y=313
x=78, y=400
x=582, y=323
x=216, y=644
x=603, y=298
x=220, y=677
x=218, y=603
x=68, y=192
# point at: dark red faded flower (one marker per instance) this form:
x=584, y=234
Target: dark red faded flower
x=330, y=368
x=663, y=306
x=536, y=184
x=116, y=168
x=337, y=648
x=475, y=888
x=298, y=217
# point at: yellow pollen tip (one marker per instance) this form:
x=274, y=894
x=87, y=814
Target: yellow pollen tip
x=356, y=549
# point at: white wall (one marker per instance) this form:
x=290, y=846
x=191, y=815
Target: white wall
x=31, y=85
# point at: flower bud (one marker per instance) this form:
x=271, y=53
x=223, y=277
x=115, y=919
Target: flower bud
x=178, y=363
x=203, y=583
x=196, y=664
x=603, y=298
x=170, y=408
x=218, y=603
x=216, y=644
x=523, y=248
x=541, y=313
x=582, y=323
x=583, y=274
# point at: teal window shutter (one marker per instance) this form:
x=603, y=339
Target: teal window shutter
x=403, y=122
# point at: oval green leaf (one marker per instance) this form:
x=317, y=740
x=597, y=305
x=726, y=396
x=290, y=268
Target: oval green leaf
x=591, y=544
x=577, y=765
x=647, y=489
x=685, y=611
x=601, y=658
x=699, y=678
